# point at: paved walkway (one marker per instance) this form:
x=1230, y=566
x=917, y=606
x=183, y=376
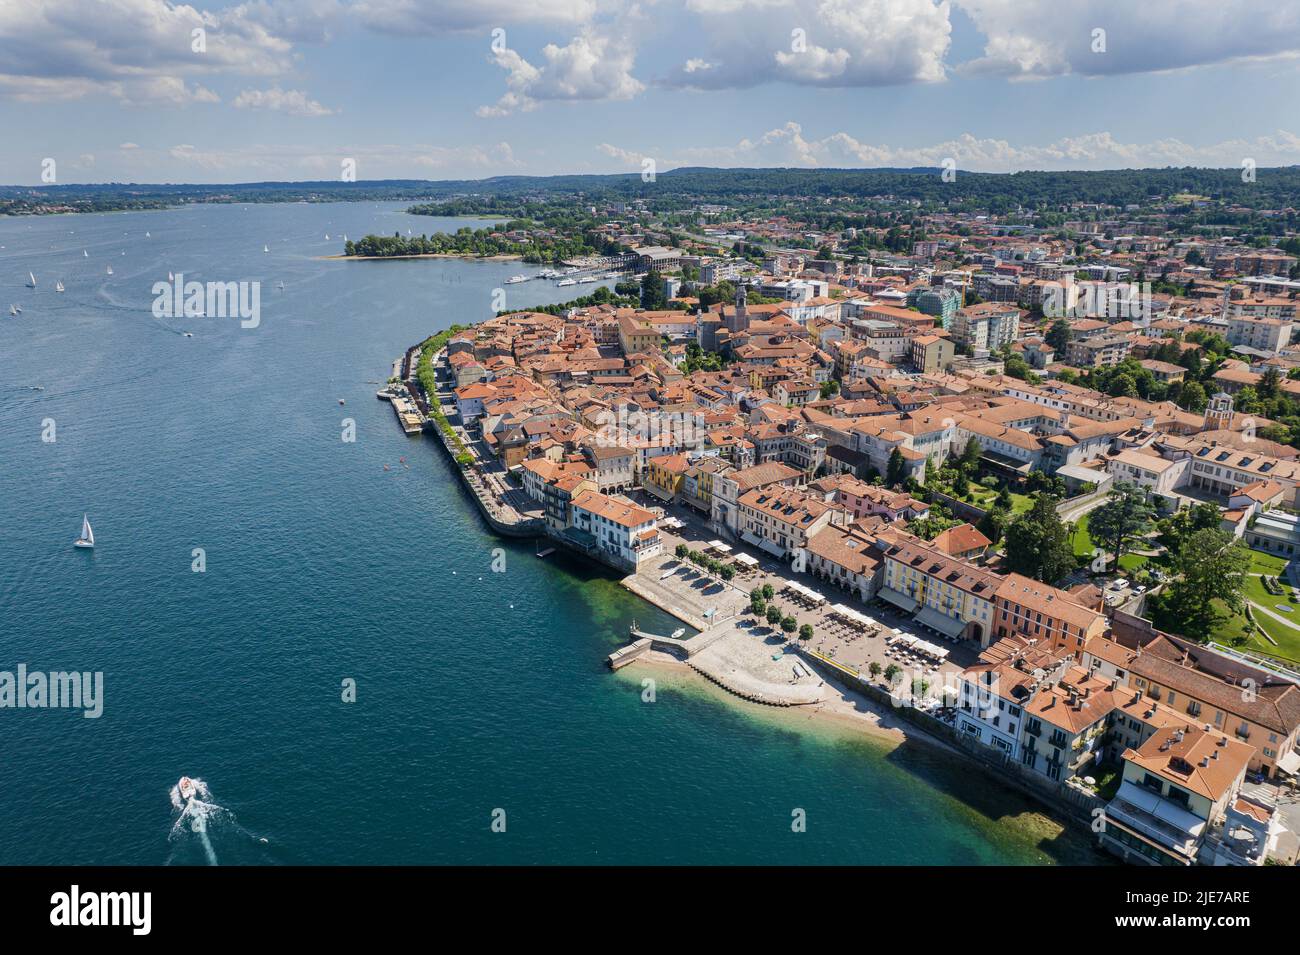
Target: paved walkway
x=752, y=662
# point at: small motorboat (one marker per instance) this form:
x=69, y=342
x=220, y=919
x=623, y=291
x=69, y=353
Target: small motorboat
x=340, y=401
x=186, y=788
x=189, y=334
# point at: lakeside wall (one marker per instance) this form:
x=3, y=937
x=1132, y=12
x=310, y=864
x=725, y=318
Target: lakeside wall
x=1075, y=804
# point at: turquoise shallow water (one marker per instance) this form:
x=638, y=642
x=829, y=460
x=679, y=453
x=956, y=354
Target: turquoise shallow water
x=475, y=691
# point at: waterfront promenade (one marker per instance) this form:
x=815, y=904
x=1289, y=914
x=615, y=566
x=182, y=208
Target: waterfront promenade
x=733, y=648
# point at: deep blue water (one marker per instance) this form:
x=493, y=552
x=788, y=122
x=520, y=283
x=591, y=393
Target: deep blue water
x=475, y=691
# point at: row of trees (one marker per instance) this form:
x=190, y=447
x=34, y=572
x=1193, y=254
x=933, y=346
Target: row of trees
x=711, y=564
x=759, y=606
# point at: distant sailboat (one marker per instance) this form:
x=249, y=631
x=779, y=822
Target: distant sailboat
x=327, y=236
x=170, y=277
x=58, y=286
x=13, y=310
x=85, y=254
x=280, y=286
x=87, y=538
x=31, y=280
x=266, y=248
x=146, y=235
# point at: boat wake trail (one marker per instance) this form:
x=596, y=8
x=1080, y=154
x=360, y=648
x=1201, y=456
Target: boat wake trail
x=200, y=821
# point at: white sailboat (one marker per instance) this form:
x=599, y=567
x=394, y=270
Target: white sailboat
x=146, y=235
x=85, y=254
x=108, y=270
x=266, y=248
x=327, y=236
x=58, y=286
x=87, y=538
x=31, y=280
x=170, y=277
x=13, y=310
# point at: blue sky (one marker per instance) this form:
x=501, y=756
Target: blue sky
x=114, y=90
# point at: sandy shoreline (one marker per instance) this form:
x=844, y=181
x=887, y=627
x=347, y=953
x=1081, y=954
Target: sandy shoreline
x=842, y=708
x=848, y=716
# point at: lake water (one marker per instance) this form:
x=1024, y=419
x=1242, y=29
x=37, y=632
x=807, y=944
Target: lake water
x=475, y=691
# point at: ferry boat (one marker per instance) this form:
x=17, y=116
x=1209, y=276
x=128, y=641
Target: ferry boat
x=516, y=279
x=567, y=282
x=87, y=538
x=589, y=279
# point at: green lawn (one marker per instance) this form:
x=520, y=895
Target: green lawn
x=1132, y=563
x=1288, y=639
x=983, y=497
x=1082, y=541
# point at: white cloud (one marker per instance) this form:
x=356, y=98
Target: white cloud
x=293, y=102
x=787, y=145
x=817, y=42
x=1041, y=38
x=432, y=17
x=592, y=66
x=137, y=51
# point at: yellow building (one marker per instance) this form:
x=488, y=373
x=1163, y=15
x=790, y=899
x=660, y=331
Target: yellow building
x=636, y=337
x=948, y=595
x=663, y=475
